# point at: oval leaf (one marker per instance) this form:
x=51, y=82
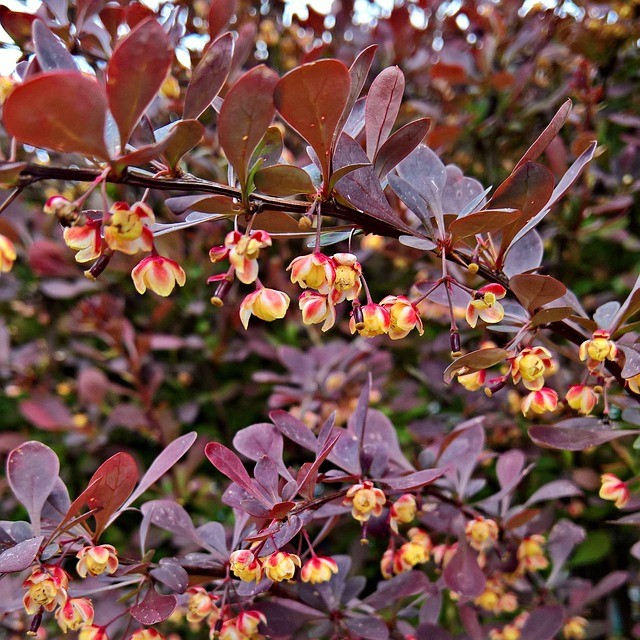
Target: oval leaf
x=462, y=573
x=535, y=291
x=576, y=434
x=20, y=556
x=283, y=180
x=51, y=53
x=60, y=110
x=382, y=107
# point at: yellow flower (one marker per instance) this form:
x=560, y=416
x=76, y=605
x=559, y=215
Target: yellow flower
x=376, y=320
x=127, y=229
x=540, y=401
x=582, y=399
x=575, y=628
x=263, y=303
x=485, y=305
x=47, y=587
x=245, y=565
x=317, y=570
x=313, y=271
x=482, y=533
x=614, y=489
x=96, y=560
x=74, y=614
x=404, y=316
x=403, y=510
x=530, y=366
x=159, y=274
x=598, y=349
x=200, y=604
x=409, y=555
x=280, y=565
x=7, y=254
x=365, y=500
x=531, y=555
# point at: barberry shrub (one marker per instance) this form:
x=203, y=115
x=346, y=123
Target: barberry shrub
x=446, y=192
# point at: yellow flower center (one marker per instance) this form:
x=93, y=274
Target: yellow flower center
x=531, y=367
x=44, y=592
x=345, y=278
x=364, y=500
x=127, y=224
x=598, y=349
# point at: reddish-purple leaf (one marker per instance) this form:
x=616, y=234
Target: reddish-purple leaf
x=245, y=115
x=368, y=627
x=404, y=585
x=51, y=53
x=262, y=440
x=554, y=490
x=535, y=291
x=629, y=307
x=47, y=412
x=382, y=107
x=576, y=434
x=154, y=608
x=608, y=584
x=432, y=632
x=171, y=574
x=45, y=111
x=524, y=255
x=228, y=463
x=631, y=366
x=474, y=361
x=169, y=516
x=462, y=573
x=108, y=489
x=20, y=556
x=308, y=474
x=564, y=536
x=509, y=468
x=311, y=99
x=398, y=146
x=551, y=314
x=543, y=623
x=209, y=76
x=203, y=204
x=32, y=472
x=294, y=429
x=131, y=86
x=550, y=132
x=220, y=13
x=17, y=24
x=283, y=180
x=485, y=221
x=412, y=481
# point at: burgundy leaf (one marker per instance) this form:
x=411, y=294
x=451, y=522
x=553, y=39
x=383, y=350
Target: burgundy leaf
x=576, y=434
x=209, y=76
x=294, y=429
x=554, y=490
x=368, y=627
x=382, y=107
x=171, y=574
x=412, y=481
x=51, y=53
x=398, y=146
x=220, y=13
x=20, y=556
x=535, y=291
x=32, y=472
x=154, y=608
x=608, y=584
x=47, y=412
x=462, y=573
x=404, y=585
x=170, y=516
x=132, y=87
x=543, y=623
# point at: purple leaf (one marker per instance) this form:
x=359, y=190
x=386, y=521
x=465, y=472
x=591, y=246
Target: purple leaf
x=169, y=516
x=509, y=468
x=564, y=536
x=404, y=585
x=307, y=478
x=46, y=412
x=460, y=192
x=400, y=145
x=462, y=449
x=382, y=107
x=286, y=616
x=171, y=574
x=631, y=362
x=462, y=573
x=412, y=481
x=356, y=422
x=262, y=440
x=167, y=458
x=32, y=472
x=608, y=584
x=543, y=623
x=525, y=254
x=368, y=627
x=469, y=619
x=553, y=490
x=154, y=608
x=432, y=632
x=208, y=77
x=51, y=53
x=294, y=429
x=228, y=463
x=20, y=556
x=577, y=434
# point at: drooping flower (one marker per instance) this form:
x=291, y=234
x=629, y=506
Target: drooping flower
x=482, y=533
x=575, y=628
x=471, y=381
x=386, y=564
x=317, y=307
x=147, y=634
x=408, y=556
x=280, y=565
x=403, y=511
x=376, y=320
x=317, y=570
x=97, y=560
x=404, y=316
x=348, y=272
x=127, y=230
x=200, y=605
x=60, y=207
x=421, y=537
x=7, y=254
x=245, y=565
x=365, y=500
x=634, y=383
x=614, y=489
x=93, y=632
x=313, y=271
x=530, y=366
x=531, y=554
x=582, y=398
x=598, y=349
x=85, y=239
x=485, y=305
x=540, y=401
x=159, y=274
x=243, y=627
x=243, y=251
x=47, y=587
x=263, y=303
x=74, y=614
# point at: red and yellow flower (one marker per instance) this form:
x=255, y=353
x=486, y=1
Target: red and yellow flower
x=243, y=251
x=201, y=604
x=531, y=554
x=540, y=401
x=575, y=628
x=97, y=560
x=409, y=555
x=244, y=627
x=404, y=316
x=317, y=570
x=316, y=308
x=147, y=634
x=74, y=614
x=402, y=511
x=365, y=500
x=47, y=587
x=86, y=239
x=7, y=254
x=582, y=399
x=482, y=533
x=245, y=565
x=159, y=274
x=614, y=489
x=93, y=632
x=530, y=366
x=485, y=305
x=127, y=230
x=313, y=271
x=348, y=283
x=263, y=303
x=280, y=565
x=376, y=320
x=598, y=349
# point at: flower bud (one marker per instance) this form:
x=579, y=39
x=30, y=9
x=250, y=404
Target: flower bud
x=245, y=565
x=7, y=254
x=74, y=614
x=313, y=271
x=582, y=398
x=540, y=401
x=158, y=274
x=403, y=511
x=200, y=604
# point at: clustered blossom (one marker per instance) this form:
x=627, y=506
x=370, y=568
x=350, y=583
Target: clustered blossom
x=414, y=552
x=281, y=566
x=531, y=554
x=242, y=251
x=47, y=587
x=365, y=500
